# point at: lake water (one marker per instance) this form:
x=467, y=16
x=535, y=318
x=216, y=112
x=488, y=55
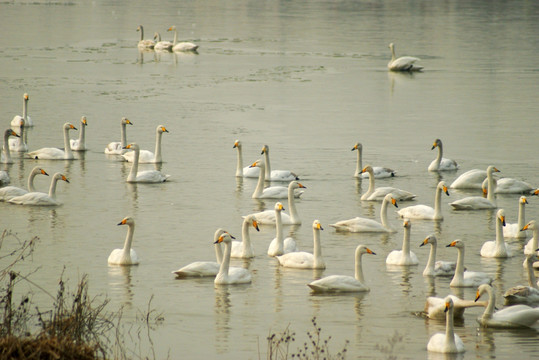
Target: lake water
x=310, y=80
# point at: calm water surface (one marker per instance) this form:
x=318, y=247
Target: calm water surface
x=309, y=79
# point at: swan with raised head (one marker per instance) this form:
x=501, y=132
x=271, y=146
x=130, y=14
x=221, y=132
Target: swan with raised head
x=118, y=147
x=435, y=307
x=225, y=276
x=424, y=211
x=40, y=198
x=305, y=260
x=516, y=316
x=126, y=255
x=248, y=171
x=244, y=249
x=471, y=179
x=17, y=143
x=271, y=192
x=267, y=217
x=161, y=45
x=276, y=175
x=514, y=230
x=405, y=256
x=403, y=63
x=533, y=243
x=49, y=153
x=5, y=157
x=433, y=267
x=441, y=163
x=521, y=294
x=378, y=171
x=9, y=192
x=360, y=224
x=144, y=43
x=448, y=343
x=279, y=245
x=182, y=46
x=80, y=143
x=377, y=194
x=16, y=121
x=466, y=278
x=497, y=248
x=344, y=283
x=147, y=176
x=478, y=202
x=146, y=156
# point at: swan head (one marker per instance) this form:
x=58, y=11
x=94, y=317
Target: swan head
x=522, y=200
x=431, y=239
x=296, y=185
x=448, y=303
x=126, y=121
x=367, y=168
x=456, y=243
x=172, y=28
x=390, y=199
x=259, y=163
x=10, y=132
x=225, y=237
x=38, y=170
x=492, y=169
x=362, y=249
x=26, y=97
x=252, y=219
x=237, y=144
x=83, y=121
x=531, y=225
x=317, y=225
x=391, y=46
x=161, y=129
x=443, y=186
x=357, y=147
x=437, y=143
x=139, y=28
x=500, y=215
x=127, y=221
x=483, y=288
x=60, y=176
x=265, y=150
x=407, y=224
x=279, y=206
x=69, y=126
x=133, y=146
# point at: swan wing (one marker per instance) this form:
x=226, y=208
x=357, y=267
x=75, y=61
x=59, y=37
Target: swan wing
x=198, y=269
x=283, y=175
x=114, y=148
x=17, y=144
x=400, y=195
x=507, y=186
x=471, y=179
x=513, y=231
x=47, y=154
x=290, y=245
x=448, y=164
x=521, y=315
x=9, y=192
x=521, y=295
x=380, y=172
x=146, y=157
x=275, y=192
x=251, y=172
x=236, y=275
x=185, y=46
x=359, y=224
x=417, y=212
x=151, y=176
x=473, y=203
x=476, y=278
x=404, y=63
x=34, y=198
x=301, y=260
x=444, y=268
x=337, y=283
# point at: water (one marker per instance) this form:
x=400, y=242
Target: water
x=309, y=80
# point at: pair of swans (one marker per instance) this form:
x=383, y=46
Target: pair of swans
x=144, y=44
x=18, y=144
x=49, y=153
x=497, y=248
x=424, y=211
x=9, y=192
x=466, y=278
x=80, y=143
x=147, y=176
x=146, y=156
x=118, y=147
x=5, y=157
x=247, y=171
x=441, y=163
x=271, y=192
x=377, y=194
x=433, y=267
x=39, y=198
x=448, y=342
x=305, y=260
x=378, y=171
x=126, y=255
x=478, y=202
x=403, y=257
x=279, y=245
x=182, y=46
x=525, y=294
x=268, y=216
x=403, y=63
x=16, y=121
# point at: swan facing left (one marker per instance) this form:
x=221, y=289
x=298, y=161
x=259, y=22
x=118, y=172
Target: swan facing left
x=497, y=248
x=182, y=46
x=441, y=163
x=403, y=63
x=143, y=44
x=55, y=153
x=80, y=143
x=225, y=276
x=449, y=342
x=5, y=157
x=40, y=198
x=305, y=260
x=126, y=255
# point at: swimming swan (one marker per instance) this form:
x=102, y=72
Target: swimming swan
x=533, y=243
x=225, y=276
x=521, y=294
x=16, y=121
x=146, y=156
x=182, y=45
x=39, y=198
x=17, y=143
x=377, y=194
x=404, y=63
x=118, y=147
x=514, y=230
x=144, y=44
x=127, y=255
x=161, y=45
x=441, y=163
x=5, y=158
x=424, y=211
x=244, y=249
x=271, y=192
x=433, y=267
x=305, y=260
x=403, y=257
x=378, y=171
x=435, y=307
x=276, y=175
x=509, y=186
x=80, y=143
x=497, y=248
x=478, y=202
x=471, y=179
x=268, y=216
x=448, y=342
x=466, y=278
x=251, y=172
x=55, y=153
x=279, y=245
x=147, y=176
x=9, y=192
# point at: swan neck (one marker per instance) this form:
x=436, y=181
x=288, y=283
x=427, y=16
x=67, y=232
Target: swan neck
x=359, y=164
x=279, y=231
x=52, y=188
x=490, y=186
x=532, y=282
x=25, y=111
x=294, y=217
x=370, y=190
x=223, y=270
x=393, y=57
x=535, y=238
x=175, y=37
x=449, y=328
x=317, y=250
x=267, y=163
x=82, y=134
x=123, y=136
x=129, y=239
x=5, y=149
x=31, y=187
x=260, y=184
x=359, y=270
x=239, y=162
x=158, y=137
x=134, y=168
x=406, y=242
x=383, y=214
x=500, y=243
x=245, y=237
x=438, y=203
x=459, y=269
x=218, y=253
x=440, y=154
x=521, y=215
x=67, y=145
x=489, y=310
x=432, y=258
x=141, y=33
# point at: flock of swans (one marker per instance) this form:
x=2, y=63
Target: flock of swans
x=163, y=45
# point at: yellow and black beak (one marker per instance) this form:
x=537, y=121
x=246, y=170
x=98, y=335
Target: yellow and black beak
x=369, y=251
x=452, y=244
x=445, y=190
x=123, y=222
x=446, y=306
x=255, y=225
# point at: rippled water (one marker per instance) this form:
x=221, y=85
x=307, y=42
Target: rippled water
x=309, y=79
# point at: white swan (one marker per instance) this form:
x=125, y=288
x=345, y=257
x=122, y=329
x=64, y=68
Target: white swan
x=527, y=295
x=510, y=186
x=9, y=192
x=344, y=283
x=466, y=278
x=182, y=45
x=433, y=267
x=478, y=202
x=513, y=230
x=40, y=198
x=16, y=121
x=360, y=224
x=251, y=172
x=516, y=316
x=424, y=211
x=533, y=243
x=449, y=342
x=279, y=245
x=378, y=171
x=147, y=176
x=17, y=143
x=471, y=179
x=55, y=153
x=441, y=163
x=118, y=147
x=403, y=63
x=268, y=216
x=146, y=156
x=305, y=260
x=161, y=45
x=435, y=307
x=126, y=255
x=497, y=248
x=271, y=192
x=276, y=175
x=244, y=249
x=225, y=276
x=144, y=44
x=377, y=194
x=403, y=257
x=5, y=158
x=80, y=143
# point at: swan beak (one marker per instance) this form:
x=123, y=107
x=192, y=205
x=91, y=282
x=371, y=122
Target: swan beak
x=502, y=218
x=477, y=296
x=26, y=97
x=433, y=146
x=425, y=242
x=364, y=170
x=232, y=237
x=254, y=164
x=446, y=191
x=485, y=192
x=220, y=240
x=163, y=129
x=123, y=222
x=451, y=244
x=369, y=251
x=255, y=225
x=169, y=29
x=354, y=148
x=406, y=223
x=72, y=127
x=394, y=202
x=84, y=121
x=301, y=187
x=43, y=172
x=280, y=207
x=65, y=179
x=446, y=306
x=128, y=122
x=524, y=200
x=13, y=133
x=525, y=227
x=235, y=145
x=535, y=192
x=496, y=170
x=319, y=226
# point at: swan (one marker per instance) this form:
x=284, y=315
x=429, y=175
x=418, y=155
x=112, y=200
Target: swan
x=39, y=198
x=80, y=143
x=118, y=147
x=403, y=63
x=16, y=121
x=161, y=45
x=471, y=179
x=344, y=283
x=144, y=44
x=225, y=276
x=251, y=172
x=532, y=244
x=55, y=153
x=448, y=342
x=405, y=256
x=510, y=186
x=148, y=157
x=441, y=163
x=276, y=175
x=424, y=211
x=17, y=143
x=527, y=295
x=127, y=255
x=497, y=248
x=9, y=192
x=433, y=267
x=516, y=316
x=378, y=171
x=466, y=278
x=375, y=194
x=147, y=176
x=182, y=45
x=244, y=249
x=268, y=216
x=271, y=192
x=359, y=224
x=435, y=307
x=279, y=245
x=5, y=158
x=478, y=202
x=514, y=230
x=305, y=260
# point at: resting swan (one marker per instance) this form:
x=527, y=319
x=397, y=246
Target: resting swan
x=471, y=179
x=147, y=176
x=144, y=44
x=514, y=230
x=377, y=194
x=509, y=186
x=127, y=255
x=16, y=121
x=344, y=283
x=404, y=63
x=5, y=158
x=359, y=224
x=225, y=276
x=403, y=257
x=161, y=45
x=497, y=248
x=118, y=147
x=251, y=172
x=271, y=192
x=466, y=278
x=182, y=45
x=279, y=245
x=9, y=192
x=305, y=260
x=378, y=171
x=449, y=342
x=268, y=216
x=527, y=295
x=244, y=249
x=55, y=153
x=424, y=211
x=435, y=307
x=17, y=144
x=146, y=156
x=39, y=198
x=478, y=202
x=80, y=143
x=441, y=163
x=433, y=267
x=276, y=175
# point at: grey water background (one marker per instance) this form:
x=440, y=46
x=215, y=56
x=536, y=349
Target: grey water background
x=309, y=79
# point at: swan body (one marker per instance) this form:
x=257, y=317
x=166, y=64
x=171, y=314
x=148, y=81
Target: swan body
x=126, y=255
x=17, y=143
x=512, y=186
x=247, y=171
x=118, y=147
x=403, y=63
x=80, y=143
x=497, y=248
x=144, y=43
x=161, y=45
x=268, y=216
x=403, y=257
x=16, y=121
x=244, y=249
x=533, y=243
x=182, y=46
x=9, y=192
x=39, y=198
x=478, y=202
x=466, y=278
x=514, y=230
x=146, y=156
x=55, y=153
x=449, y=342
x=378, y=171
x=276, y=175
x=279, y=245
x=359, y=224
x=377, y=194
x=344, y=283
x=435, y=307
x=527, y=295
x=471, y=179
x=441, y=163
x=147, y=176
x=433, y=267
x=305, y=260
x=5, y=158
x=271, y=192
x=225, y=276
x=424, y=211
